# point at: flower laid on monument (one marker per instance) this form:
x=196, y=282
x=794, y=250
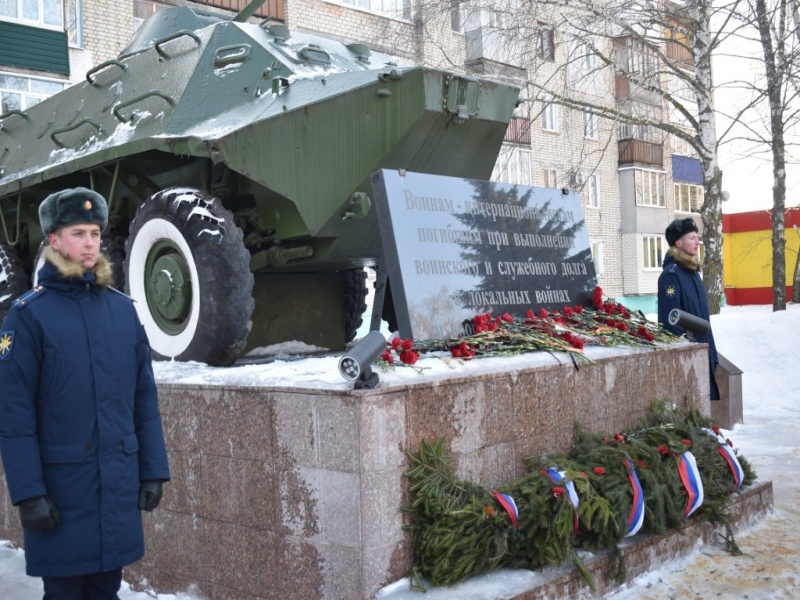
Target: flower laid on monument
x=404, y=349
x=605, y=489
x=569, y=331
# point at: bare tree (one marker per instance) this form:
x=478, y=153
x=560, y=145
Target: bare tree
x=662, y=50
x=774, y=91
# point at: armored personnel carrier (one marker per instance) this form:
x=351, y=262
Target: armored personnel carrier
x=236, y=160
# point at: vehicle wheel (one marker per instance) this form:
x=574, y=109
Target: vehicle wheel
x=189, y=272
x=13, y=279
x=110, y=248
x=355, y=295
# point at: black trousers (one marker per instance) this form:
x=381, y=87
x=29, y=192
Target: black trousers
x=97, y=586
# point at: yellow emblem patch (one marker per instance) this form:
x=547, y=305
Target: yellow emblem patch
x=6, y=341
x=670, y=291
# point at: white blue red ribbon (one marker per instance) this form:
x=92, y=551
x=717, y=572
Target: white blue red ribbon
x=730, y=457
x=636, y=516
x=556, y=477
x=508, y=504
x=690, y=476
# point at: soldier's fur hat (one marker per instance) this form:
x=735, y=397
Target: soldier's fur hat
x=70, y=207
x=679, y=228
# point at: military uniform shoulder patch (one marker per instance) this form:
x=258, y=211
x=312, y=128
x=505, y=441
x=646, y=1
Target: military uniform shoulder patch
x=670, y=291
x=29, y=296
x=6, y=344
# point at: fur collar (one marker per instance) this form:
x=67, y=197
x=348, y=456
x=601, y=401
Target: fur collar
x=70, y=270
x=687, y=261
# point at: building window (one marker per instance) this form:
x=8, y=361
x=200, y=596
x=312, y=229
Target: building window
x=73, y=20
x=455, y=16
x=19, y=92
x=398, y=9
x=650, y=189
x=591, y=191
x=551, y=178
x=47, y=13
x=652, y=252
x=590, y=125
x=641, y=59
x=682, y=147
x=546, y=42
x=143, y=9
x=513, y=165
x=597, y=257
x=549, y=115
x=688, y=197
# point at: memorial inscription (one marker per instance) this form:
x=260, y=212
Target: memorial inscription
x=456, y=247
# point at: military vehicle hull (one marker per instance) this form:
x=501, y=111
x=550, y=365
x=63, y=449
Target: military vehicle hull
x=237, y=159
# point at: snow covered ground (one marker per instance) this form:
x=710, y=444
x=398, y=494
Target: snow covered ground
x=765, y=345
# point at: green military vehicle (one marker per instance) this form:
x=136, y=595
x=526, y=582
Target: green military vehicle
x=236, y=159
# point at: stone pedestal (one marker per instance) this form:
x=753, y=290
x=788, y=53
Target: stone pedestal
x=298, y=493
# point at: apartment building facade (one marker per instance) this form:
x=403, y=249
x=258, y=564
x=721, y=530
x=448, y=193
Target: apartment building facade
x=633, y=179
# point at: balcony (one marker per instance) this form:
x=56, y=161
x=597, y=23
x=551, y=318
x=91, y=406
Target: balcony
x=632, y=151
x=493, y=51
x=519, y=131
x=680, y=54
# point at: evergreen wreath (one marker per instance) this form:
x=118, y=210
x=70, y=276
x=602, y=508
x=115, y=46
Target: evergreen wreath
x=606, y=488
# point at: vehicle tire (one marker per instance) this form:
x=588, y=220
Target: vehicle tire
x=355, y=295
x=110, y=248
x=189, y=272
x=13, y=279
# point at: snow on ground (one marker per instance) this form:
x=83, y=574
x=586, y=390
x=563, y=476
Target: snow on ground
x=765, y=345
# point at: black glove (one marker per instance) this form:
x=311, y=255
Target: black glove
x=39, y=514
x=150, y=493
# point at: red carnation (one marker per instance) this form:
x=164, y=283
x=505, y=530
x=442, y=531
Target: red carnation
x=599, y=471
x=543, y=314
x=579, y=309
x=641, y=464
x=409, y=357
x=619, y=438
x=715, y=429
x=506, y=317
x=597, y=299
x=686, y=442
x=558, y=492
x=387, y=357
x=396, y=343
x=568, y=312
x=407, y=344
x=663, y=450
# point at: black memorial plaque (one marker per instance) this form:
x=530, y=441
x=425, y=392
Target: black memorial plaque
x=455, y=248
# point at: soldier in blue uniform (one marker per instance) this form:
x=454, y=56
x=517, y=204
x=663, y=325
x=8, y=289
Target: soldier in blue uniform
x=680, y=286
x=80, y=429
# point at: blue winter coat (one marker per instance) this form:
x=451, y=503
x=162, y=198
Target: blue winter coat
x=79, y=421
x=680, y=286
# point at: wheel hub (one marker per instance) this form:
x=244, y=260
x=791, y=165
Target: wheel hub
x=168, y=287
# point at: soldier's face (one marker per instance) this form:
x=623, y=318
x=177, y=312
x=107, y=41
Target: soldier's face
x=689, y=243
x=78, y=243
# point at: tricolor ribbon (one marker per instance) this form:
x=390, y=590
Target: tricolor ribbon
x=556, y=477
x=687, y=468
x=730, y=457
x=636, y=516
x=508, y=504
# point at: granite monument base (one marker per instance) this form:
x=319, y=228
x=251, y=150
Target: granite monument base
x=297, y=493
